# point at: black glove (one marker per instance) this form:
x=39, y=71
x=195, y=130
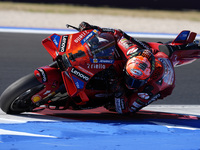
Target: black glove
x=84, y=26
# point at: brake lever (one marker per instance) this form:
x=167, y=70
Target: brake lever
x=68, y=26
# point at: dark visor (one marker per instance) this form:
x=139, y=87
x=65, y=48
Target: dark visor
x=133, y=83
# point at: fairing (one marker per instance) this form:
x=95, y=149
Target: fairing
x=81, y=55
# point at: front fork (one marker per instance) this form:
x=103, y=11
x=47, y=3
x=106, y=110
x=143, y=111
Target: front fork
x=50, y=77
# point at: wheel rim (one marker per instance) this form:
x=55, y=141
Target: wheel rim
x=23, y=102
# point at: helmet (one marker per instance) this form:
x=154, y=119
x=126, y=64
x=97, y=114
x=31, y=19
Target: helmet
x=138, y=69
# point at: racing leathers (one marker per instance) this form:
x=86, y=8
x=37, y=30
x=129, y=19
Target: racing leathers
x=159, y=85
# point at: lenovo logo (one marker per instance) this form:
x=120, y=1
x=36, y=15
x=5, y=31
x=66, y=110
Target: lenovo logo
x=80, y=74
x=63, y=43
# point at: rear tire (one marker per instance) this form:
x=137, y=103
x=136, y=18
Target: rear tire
x=17, y=97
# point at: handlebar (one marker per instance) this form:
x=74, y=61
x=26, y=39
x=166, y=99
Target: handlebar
x=68, y=26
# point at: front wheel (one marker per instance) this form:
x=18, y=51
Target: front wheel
x=17, y=97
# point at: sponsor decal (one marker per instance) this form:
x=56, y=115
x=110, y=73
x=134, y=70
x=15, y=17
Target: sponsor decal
x=154, y=98
x=126, y=43
x=91, y=34
x=95, y=60
x=140, y=102
x=96, y=66
x=143, y=66
x=86, y=71
x=106, y=61
x=131, y=51
x=36, y=98
x=56, y=39
x=81, y=36
x=136, y=105
x=103, y=61
x=132, y=109
x=136, y=72
x=119, y=105
x=168, y=76
x=47, y=92
x=108, y=30
x=144, y=95
x=79, y=84
x=63, y=43
x=80, y=74
x=43, y=75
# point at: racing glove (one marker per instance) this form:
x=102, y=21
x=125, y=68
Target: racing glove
x=120, y=100
x=86, y=26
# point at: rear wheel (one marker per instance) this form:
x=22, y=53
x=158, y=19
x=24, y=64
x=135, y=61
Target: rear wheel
x=17, y=97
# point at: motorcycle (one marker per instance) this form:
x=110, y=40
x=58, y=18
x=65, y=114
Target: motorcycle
x=82, y=74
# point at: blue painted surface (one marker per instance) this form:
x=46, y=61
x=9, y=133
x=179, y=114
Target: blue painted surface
x=107, y=135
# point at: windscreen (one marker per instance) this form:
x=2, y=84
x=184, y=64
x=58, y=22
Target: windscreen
x=102, y=46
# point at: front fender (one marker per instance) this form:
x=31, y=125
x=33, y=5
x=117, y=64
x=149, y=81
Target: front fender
x=51, y=78
x=48, y=75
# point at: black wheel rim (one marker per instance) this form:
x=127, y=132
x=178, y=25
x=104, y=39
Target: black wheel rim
x=23, y=102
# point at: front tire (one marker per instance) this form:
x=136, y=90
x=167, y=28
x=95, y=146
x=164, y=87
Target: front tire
x=17, y=97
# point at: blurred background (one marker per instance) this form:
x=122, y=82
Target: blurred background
x=163, y=16
x=143, y=4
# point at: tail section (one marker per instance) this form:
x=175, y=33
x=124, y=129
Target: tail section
x=184, y=37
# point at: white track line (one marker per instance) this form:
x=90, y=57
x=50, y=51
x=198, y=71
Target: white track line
x=188, y=110
x=168, y=125
x=9, y=132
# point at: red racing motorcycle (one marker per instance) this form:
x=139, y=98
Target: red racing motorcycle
x=82, y=73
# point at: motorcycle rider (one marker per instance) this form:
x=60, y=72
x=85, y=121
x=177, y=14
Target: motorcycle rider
x=146, y=75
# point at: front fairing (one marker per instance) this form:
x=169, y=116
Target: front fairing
x=83, y=55
x=52, y=44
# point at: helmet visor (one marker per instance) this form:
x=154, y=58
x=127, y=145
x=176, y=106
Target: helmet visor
x=133, y=83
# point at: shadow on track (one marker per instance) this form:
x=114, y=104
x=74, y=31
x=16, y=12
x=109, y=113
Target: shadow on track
x=101, y=115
